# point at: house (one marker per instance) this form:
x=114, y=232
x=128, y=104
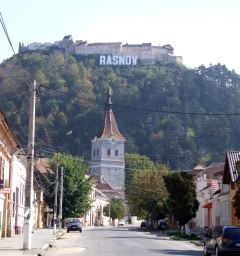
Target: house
x=17, y=191
x=105, y=187
x=95, y=216
x=43, y=214
x=216, y=186
x=101, y=195
x=12, y=180
x=230, y=178
x=101, y=200
x=211, y=195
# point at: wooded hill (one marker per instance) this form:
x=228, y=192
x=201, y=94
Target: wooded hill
x=172, y=114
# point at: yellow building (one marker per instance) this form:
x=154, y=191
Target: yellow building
x=230, y=177
x=8, y=146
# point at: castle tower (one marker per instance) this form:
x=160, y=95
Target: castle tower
x=107, y=151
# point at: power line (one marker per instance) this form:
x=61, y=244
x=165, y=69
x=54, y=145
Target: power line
x=45, y=127
x=147, y=109
x=28, y=80
x=5, y=31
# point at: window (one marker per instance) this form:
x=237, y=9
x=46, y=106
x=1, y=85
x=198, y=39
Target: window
x=116, y=152
x=2, y=163
x=94, y=152
x=1, y=168
x=97, y=152
x=1, y=184
x=22, y=194
x=225, y=211
x=13, y=206
x=109, y=152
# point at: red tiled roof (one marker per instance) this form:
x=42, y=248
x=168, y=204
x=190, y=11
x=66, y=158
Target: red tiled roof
x=213, y=173
x=214, y=170
x=103, y=185
x=109, y=127
x=197, y=169
x=42, y=164
x=105, y=188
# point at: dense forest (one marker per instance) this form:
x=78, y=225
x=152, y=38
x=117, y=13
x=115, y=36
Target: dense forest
x=172, y=114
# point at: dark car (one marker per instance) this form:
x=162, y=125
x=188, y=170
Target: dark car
x=223, y=240
x=162, y=225
x=143, y=224
x=74, y=225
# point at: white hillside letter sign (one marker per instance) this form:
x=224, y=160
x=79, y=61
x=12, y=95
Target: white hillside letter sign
x=108, y=60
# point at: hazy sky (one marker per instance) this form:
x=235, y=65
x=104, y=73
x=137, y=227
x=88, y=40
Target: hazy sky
x=201, y=31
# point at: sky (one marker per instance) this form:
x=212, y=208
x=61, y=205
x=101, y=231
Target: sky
x=203, y=32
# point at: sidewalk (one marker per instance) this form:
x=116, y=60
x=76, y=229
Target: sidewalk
x=41, y=239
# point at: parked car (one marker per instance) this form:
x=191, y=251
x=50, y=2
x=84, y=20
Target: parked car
x=162, y=225
x=222, y=240
x=74, y=225
x=143, y=224
x=121, y=223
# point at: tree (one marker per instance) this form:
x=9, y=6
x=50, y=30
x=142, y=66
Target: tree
x=77, y=184
x=135, y=162
x=182, y=201
x=147, y=195
x=117, y=209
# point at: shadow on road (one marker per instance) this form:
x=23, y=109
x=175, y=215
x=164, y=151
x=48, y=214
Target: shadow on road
x=176, y=252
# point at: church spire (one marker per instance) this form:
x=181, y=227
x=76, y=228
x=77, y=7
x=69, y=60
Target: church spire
x=108, y=104
x=109, y=127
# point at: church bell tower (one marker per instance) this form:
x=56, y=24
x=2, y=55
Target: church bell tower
x=107, y=150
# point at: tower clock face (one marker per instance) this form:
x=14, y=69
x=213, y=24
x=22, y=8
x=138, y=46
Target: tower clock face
x=112, y=139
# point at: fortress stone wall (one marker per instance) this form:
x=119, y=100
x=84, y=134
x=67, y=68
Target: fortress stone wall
x=144, y=52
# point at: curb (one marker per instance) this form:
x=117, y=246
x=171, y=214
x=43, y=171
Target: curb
x=45, y=247
x=55, y=237
x=197, y=243
x=191, y=241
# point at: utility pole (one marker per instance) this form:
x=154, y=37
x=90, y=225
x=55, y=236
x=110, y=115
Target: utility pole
x=29, y=192
x=109, y=212
x=55, y=201
x=61, y=193
x=61, y=199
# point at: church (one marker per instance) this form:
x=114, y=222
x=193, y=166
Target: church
x=107, y=154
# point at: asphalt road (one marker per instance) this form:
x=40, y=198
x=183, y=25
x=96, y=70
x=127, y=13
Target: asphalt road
x=122, y=241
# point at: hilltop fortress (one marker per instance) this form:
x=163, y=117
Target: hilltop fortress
x=113, y=53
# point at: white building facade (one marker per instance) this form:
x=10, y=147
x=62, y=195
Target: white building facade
x=17, y=195
x=213, y=197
